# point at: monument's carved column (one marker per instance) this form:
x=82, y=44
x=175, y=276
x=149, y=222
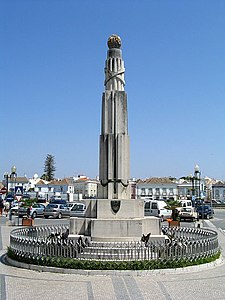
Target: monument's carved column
x=114, y=173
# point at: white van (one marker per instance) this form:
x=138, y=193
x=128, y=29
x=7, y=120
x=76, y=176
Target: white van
x=185, y=204
x=187, y=211
x=157, y=208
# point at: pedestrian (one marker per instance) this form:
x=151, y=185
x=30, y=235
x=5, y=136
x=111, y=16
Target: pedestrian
x=28, y=212
x=1, y=207
x=6, y=208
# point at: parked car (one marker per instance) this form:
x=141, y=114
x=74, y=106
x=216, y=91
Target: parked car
x=157, y=209
x=187, y=213
x=10, y=198
x=54, y=198
x=56, y=210
x=14, y=207
x=41, y=200
x=36, y=210
x=25, y=197
x=205, y=211
x=78, y=210
x=185, y=203
x=72, y=204
x=213, y=201
x=197, y=202
x=59, y=201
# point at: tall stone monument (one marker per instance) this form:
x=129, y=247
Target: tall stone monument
x=114, y=170
x=114, y=216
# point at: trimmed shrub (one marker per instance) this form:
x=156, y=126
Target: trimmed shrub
x=73, y=263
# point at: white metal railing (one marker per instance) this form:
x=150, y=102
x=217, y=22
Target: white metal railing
x=46, y=241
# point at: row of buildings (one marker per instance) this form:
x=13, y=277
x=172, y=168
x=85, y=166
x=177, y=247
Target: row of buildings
x=80, y=187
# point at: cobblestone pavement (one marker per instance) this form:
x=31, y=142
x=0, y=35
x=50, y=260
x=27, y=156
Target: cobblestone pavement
x=188, y=283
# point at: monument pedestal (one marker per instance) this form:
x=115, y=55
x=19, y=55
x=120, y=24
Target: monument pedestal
x=122, y=230
x=128, y=224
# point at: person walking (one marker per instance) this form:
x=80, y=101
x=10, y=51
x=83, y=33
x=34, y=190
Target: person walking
x=1, y=207
x=6, y=208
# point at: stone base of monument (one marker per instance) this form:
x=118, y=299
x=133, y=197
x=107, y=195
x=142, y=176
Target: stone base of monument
x=127, y=224
x=114, y=230
x=123, y=229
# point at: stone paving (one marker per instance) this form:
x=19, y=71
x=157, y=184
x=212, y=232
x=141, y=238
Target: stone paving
x=188, y=283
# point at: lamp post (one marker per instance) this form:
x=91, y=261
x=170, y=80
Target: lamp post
x=191, y=178
x=197, y=178
x=6, y=176
x=12, y=177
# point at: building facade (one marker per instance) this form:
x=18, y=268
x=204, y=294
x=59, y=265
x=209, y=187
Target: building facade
x=218, y=191
x=86, y=187
x=156, y=189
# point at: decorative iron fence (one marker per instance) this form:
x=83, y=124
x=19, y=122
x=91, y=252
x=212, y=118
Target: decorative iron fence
x=180, y=243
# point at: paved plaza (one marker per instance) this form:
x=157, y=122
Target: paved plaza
x=200, y=282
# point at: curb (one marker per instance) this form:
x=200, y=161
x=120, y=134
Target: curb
x=220, y=261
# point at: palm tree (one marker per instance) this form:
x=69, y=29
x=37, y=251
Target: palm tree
x=173, y=205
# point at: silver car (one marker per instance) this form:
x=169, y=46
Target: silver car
x=36, y=210
x=56, y=211
x=78, y=210
x=72, y=204
x=14, y=207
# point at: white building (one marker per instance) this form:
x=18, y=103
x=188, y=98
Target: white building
x=12, y=182
x=62, y=186
x=218, y=191
x=86, y=187
x=185, y=189
x=41, y=187
x=157, y=188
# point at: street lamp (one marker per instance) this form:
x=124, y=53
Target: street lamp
x=191, y=178
x=197, y=178
x=6, y=176
x=12, y=177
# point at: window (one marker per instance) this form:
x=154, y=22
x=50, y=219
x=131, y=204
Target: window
x=147, y=205
x=78, y=207
x=217, y=194
x=171, y=191
x=154, y=205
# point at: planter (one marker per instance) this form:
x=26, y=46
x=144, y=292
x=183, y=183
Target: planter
x=27, y=222
x=173, y=223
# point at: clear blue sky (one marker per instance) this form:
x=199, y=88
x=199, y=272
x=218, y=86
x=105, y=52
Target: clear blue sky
x=52, y=59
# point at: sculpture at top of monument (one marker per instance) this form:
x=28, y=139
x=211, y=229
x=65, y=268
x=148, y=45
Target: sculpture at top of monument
x=114, y=41
x=114, y=173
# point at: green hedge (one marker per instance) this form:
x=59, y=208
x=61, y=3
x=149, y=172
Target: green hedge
x=72, y=263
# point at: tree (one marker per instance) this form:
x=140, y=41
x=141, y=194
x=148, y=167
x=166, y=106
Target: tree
x=49, y=168
x=173, y=205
